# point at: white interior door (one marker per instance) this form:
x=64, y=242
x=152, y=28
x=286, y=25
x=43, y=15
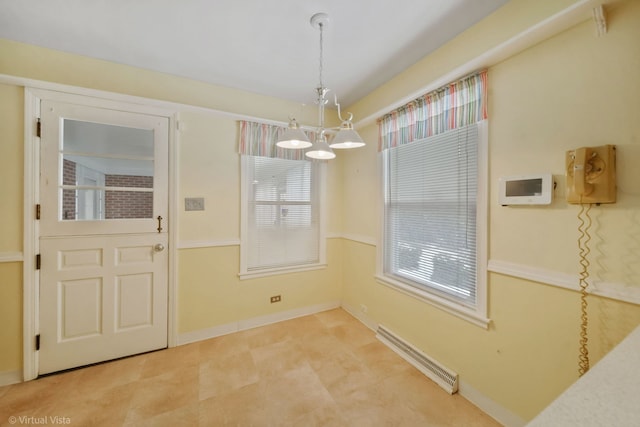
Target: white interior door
x=103, y=233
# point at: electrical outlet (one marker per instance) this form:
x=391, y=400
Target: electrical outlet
x=364, y=308
x=276, y=298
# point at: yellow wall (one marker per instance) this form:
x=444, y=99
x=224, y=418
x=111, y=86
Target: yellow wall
x=587, y=96
x=11, y=161
x=209, y=167
x=33, y=62
x=210, y=293
x=11, y=190
x=506, y=22
x=572, y=90
x=10, y=316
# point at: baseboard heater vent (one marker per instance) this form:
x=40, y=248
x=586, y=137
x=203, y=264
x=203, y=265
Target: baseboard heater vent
x=444, y=377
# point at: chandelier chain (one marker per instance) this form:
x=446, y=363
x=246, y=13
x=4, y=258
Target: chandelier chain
x=321, y=27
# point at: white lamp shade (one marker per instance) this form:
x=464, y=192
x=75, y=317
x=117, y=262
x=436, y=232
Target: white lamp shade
x=321, y=150
x=293, y=137
x=347, y=138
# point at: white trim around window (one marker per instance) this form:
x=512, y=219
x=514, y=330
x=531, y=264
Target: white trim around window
x=245, y=249
x=477, y=314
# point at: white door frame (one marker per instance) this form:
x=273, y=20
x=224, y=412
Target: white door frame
x=32, y=98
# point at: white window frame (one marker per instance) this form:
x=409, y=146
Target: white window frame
x=94, y=198
x=245, y=273
x=477, y=314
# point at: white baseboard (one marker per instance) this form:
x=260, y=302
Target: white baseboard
x=255, y=322
x=285, y=315
x=205, y=334
x=10, y=377
x=489, y=407
x=362, y=317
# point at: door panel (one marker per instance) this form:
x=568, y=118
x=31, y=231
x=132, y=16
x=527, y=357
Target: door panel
x=103, y=277
x=134, y=301
x=80, y=308
x=93, y=306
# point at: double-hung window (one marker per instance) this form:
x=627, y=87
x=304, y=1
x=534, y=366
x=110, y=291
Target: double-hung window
x=281, y=221
x=433, y=157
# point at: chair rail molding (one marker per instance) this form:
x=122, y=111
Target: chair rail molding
x=613, y=290
x=11, y=257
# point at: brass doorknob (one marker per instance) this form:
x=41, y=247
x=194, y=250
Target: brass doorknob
x=159, y=247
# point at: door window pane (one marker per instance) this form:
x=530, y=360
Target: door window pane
x=107, y=172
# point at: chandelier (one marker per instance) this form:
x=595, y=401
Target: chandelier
x=346, y=137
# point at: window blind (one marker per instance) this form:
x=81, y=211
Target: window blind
x=281, y=202
x=282, y=213
x=430, y=213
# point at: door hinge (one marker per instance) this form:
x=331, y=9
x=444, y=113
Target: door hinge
x=38, y=262
x=38, y=211
x=37, y=342
x=38, y=128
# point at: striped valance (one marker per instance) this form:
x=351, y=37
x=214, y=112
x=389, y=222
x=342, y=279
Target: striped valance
x=458, y=104
x=259, y=139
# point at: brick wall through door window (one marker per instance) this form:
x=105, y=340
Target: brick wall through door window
x=117, y=204
x=128, y=204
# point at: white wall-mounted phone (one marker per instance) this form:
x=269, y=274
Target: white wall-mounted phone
x=591, y=175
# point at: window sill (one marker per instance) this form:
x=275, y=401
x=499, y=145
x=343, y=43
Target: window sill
x=457, y=310
x=278, y=271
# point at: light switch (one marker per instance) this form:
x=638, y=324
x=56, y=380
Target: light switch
x=194, y=204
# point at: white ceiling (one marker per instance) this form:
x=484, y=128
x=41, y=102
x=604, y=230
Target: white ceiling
x=262, y=46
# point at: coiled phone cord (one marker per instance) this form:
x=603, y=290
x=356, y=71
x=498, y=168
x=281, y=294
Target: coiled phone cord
x=583, y=246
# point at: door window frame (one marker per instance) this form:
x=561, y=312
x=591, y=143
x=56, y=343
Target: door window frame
x=52, y=219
